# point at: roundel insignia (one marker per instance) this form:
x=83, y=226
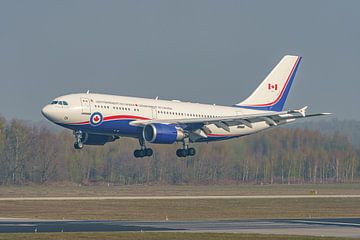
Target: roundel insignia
x=96, y=119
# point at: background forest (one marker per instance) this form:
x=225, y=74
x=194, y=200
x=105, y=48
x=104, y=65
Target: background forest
x=37, y=154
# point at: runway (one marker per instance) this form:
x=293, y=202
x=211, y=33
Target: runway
x=173, y=197
x=342, y=227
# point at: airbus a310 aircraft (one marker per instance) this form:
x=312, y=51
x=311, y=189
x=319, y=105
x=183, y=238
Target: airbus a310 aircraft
x=97, y=119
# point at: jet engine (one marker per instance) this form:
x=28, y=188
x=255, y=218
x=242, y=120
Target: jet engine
x=162, y=133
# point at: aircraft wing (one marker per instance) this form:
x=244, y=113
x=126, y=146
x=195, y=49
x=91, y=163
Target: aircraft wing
x=273, y=118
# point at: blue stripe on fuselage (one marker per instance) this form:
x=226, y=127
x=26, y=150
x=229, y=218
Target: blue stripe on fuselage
x=121, y=127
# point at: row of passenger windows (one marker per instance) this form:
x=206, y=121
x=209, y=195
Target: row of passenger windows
x=160, y=112
x=117, y=108
x=187, y=114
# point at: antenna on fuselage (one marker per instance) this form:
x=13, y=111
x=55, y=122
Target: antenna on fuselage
x=88, y=91
x=157, y=97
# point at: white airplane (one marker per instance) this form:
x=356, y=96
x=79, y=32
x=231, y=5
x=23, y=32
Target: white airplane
x=99, y=118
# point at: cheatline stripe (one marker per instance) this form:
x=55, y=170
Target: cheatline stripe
x=115, y=117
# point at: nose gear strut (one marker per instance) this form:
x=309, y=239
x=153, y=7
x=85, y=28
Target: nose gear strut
x=78, y=139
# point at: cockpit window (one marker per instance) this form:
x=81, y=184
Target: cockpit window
x=60, y=103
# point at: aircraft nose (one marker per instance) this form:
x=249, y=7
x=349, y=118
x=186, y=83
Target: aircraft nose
x=47, y=112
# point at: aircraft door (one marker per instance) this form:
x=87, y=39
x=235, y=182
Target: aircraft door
x=85, y=105
x=154, y=112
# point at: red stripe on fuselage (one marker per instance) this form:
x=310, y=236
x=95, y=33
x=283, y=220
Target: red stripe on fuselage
x=116, y=117
x=79, y=123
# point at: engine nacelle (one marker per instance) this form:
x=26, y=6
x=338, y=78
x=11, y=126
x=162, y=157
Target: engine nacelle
x=95, y=139
x=162, y=133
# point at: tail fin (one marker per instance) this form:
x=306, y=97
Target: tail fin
x=271, y=94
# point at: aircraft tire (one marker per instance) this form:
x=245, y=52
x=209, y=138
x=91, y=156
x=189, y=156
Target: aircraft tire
x=148, y=152
x=191, y=151
x=78, y=146
x=178, y=153
x=137, y=153
x=184, y=152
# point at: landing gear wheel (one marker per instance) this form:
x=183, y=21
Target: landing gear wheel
x=178, y=153
x=184, y=152
x=78, y=145
x=191, y=151
x=143, y=152
x=79, y=138
x=148, y=152
x=136, y=153
x=139, y=153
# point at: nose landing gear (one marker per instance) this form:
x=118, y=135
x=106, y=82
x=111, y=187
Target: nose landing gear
x=78, y=140
x=78, y=145
x=143, y=152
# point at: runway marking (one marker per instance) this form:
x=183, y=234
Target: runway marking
x=172, y=197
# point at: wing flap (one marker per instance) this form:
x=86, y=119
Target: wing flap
x=272, y=118
x=206, y=121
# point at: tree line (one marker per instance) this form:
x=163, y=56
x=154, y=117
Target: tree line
x=36, y=154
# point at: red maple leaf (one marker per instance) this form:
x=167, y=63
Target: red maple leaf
x=96, y=118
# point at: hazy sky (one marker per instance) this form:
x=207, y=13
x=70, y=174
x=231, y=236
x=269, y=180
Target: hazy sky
x=201, y=51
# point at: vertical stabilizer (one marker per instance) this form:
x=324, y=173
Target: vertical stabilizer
x=271, y=94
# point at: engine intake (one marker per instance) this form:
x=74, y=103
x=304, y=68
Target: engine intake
x=162, y=133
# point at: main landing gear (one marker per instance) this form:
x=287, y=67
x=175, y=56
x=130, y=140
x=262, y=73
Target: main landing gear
x=185, y=151
x=143, y=152
x=78, y=140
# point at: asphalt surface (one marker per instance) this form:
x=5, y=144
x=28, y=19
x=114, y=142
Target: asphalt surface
x=340, y=227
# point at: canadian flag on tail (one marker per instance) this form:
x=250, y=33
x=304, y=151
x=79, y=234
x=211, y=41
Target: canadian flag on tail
x=272, y=86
